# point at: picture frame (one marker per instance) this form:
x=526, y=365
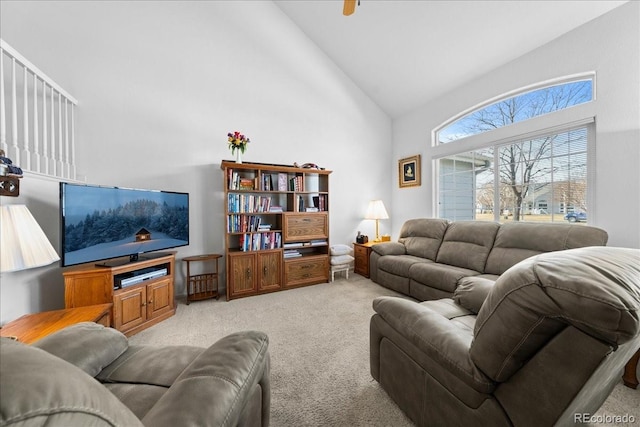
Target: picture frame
x=409, y=174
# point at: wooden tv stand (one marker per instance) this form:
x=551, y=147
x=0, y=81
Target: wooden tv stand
x=136, y=306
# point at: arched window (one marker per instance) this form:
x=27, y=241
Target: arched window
x=528, y=176
x=518, y=108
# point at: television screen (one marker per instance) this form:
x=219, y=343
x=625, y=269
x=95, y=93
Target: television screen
x=100, y=223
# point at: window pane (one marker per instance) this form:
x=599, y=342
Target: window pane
x=542, y=179
x=517, y=109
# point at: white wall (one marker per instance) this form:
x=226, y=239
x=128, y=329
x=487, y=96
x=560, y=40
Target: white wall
x=610, y=46
x=159, y=86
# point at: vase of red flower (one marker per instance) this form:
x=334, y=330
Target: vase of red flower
x=237, y=143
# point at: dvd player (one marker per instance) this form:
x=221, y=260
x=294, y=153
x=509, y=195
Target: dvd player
x=135, y=277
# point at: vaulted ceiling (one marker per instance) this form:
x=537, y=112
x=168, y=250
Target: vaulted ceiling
x=403, y=53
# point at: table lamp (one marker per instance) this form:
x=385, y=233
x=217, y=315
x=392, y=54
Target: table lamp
x=376, y=211
x=23, y=244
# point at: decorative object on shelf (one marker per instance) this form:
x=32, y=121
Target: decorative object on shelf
x=376, y=211
x=238, y=143
x=10, y=175
x=23, y=244
x=409, y=171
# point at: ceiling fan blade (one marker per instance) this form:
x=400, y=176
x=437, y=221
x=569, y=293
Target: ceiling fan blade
x=349, y=7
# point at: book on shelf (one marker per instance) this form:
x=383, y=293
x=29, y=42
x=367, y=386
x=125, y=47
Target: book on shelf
x=282, y=182
x=291, y=254
x=275, y=209
x=314, y=209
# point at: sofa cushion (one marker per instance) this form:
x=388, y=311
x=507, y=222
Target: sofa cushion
x=517, y=241
x=595, y=289
x=472, y=291
x=467, y=244
x=150, y=365
x=439, y=276
x=38, y=388
x=422, y=237
x=87, y=345
x=399, y=264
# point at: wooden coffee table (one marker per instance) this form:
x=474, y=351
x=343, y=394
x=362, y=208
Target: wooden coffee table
x=32, y=327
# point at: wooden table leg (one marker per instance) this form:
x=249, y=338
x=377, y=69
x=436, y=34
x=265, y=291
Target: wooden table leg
x=630, y=378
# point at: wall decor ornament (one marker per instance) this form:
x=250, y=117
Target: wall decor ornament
x=409, y=171
x=237, y=143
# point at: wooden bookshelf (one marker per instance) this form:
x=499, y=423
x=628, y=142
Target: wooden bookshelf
x=277, y=227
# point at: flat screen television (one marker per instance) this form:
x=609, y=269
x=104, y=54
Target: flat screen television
x=106, y=223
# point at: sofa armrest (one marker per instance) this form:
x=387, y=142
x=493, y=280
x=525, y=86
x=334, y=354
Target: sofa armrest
x=219, y=385
x=440, y=339
x=389, y=248
x=87, y=345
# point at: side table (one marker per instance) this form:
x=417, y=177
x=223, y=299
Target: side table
x=630, y=378
x=32, y=327
x=361, y=252
x=204, y=285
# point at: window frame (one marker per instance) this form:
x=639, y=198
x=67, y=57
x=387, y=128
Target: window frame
x=581, y=115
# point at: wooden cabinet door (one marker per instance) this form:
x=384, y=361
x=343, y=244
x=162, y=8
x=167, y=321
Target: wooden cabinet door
x=129, y=308
x=82, y=289
x=159, y=298
x=269, y=271
x=242, y=275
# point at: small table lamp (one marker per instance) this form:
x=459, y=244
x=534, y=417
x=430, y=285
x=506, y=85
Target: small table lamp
x=376, y=211
x=23, y=244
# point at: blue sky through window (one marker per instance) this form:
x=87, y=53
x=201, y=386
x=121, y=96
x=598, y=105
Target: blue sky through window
x=518, y=108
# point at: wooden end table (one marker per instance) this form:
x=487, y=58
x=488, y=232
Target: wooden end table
x=630, y=378
x=205, y=285
x=361, y=252
x=32, y=327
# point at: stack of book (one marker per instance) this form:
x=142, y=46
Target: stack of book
x=291, y=253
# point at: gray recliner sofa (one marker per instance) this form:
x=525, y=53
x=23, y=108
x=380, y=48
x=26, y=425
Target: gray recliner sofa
x=432, y=257
x=88, y=375
x=544, y=346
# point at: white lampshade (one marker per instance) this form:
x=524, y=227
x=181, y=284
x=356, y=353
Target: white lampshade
x=376, y=210
x=23, y=244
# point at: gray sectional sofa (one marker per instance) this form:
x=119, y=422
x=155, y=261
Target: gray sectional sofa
x=433, y=257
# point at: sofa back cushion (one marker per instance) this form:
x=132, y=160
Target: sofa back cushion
x=467, y=244
x=517, y=241
x=422, y=236
x=594, y=289
x=38, y=388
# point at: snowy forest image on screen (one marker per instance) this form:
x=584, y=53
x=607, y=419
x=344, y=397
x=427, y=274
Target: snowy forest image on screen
x=103, y=222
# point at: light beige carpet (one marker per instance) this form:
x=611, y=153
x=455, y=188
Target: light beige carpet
x=319, y=345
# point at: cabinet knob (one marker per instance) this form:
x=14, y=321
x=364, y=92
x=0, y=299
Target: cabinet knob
x=144, y=304
x=264, y=270
x=248, y=272
x=150, y=301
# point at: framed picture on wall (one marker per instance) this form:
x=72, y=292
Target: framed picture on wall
x=409, y=171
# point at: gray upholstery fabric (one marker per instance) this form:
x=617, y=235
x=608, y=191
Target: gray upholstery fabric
x=38, y=389
x=467, y=244
x=422, y=237
x=226, y=384
x=594, y=289
x=87, y=345
x=150, y=365
x=472, y=291
x=517, y=241
x=226, y=373
x=549, y=341
x=467, y=249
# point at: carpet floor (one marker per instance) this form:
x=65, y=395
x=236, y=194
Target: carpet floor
x=319, y=345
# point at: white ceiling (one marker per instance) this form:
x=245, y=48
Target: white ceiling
x=404, y=52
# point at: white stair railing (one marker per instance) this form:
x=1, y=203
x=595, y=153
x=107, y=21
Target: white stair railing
x=36, y=118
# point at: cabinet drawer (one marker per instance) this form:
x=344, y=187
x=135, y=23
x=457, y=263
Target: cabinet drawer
x=312, y=269
x=361, y=253
x=305, y=226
